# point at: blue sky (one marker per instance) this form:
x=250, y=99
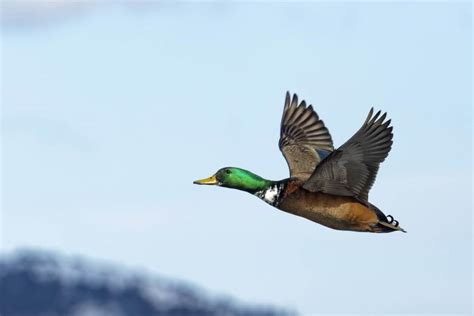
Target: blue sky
x=109, y=112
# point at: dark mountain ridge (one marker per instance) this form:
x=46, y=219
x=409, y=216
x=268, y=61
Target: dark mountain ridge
x=45, y=284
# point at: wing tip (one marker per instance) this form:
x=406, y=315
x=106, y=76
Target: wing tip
x=369, y=116
x=377, y=119
x=294, y=100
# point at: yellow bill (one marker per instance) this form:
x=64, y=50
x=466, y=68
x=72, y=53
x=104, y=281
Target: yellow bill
x=207, y=181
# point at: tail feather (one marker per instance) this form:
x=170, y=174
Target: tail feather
x=387, y=225
x=393, y=227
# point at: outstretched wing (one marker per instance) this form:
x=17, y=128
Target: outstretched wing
x=304, y=140
x=351, y=169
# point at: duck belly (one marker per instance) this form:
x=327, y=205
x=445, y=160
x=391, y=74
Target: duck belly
x=337, y=212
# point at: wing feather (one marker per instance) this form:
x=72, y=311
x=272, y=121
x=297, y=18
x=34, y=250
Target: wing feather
x=303, y=138
x=351, y=169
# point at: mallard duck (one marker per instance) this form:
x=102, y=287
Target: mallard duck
x=327, y=186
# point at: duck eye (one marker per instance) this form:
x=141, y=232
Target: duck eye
x=227, y=171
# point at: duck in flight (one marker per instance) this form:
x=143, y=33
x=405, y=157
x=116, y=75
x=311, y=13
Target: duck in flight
x=327, y=186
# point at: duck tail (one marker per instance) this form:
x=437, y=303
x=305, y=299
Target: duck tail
x=388, y=227
x=387, y=223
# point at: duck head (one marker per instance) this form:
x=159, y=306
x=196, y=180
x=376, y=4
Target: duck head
x=236, y=178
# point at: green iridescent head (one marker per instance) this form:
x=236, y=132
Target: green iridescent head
x=236, y=178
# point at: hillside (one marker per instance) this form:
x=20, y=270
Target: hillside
x=38, y=283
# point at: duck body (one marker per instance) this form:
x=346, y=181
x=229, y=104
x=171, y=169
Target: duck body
x=336, y=212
